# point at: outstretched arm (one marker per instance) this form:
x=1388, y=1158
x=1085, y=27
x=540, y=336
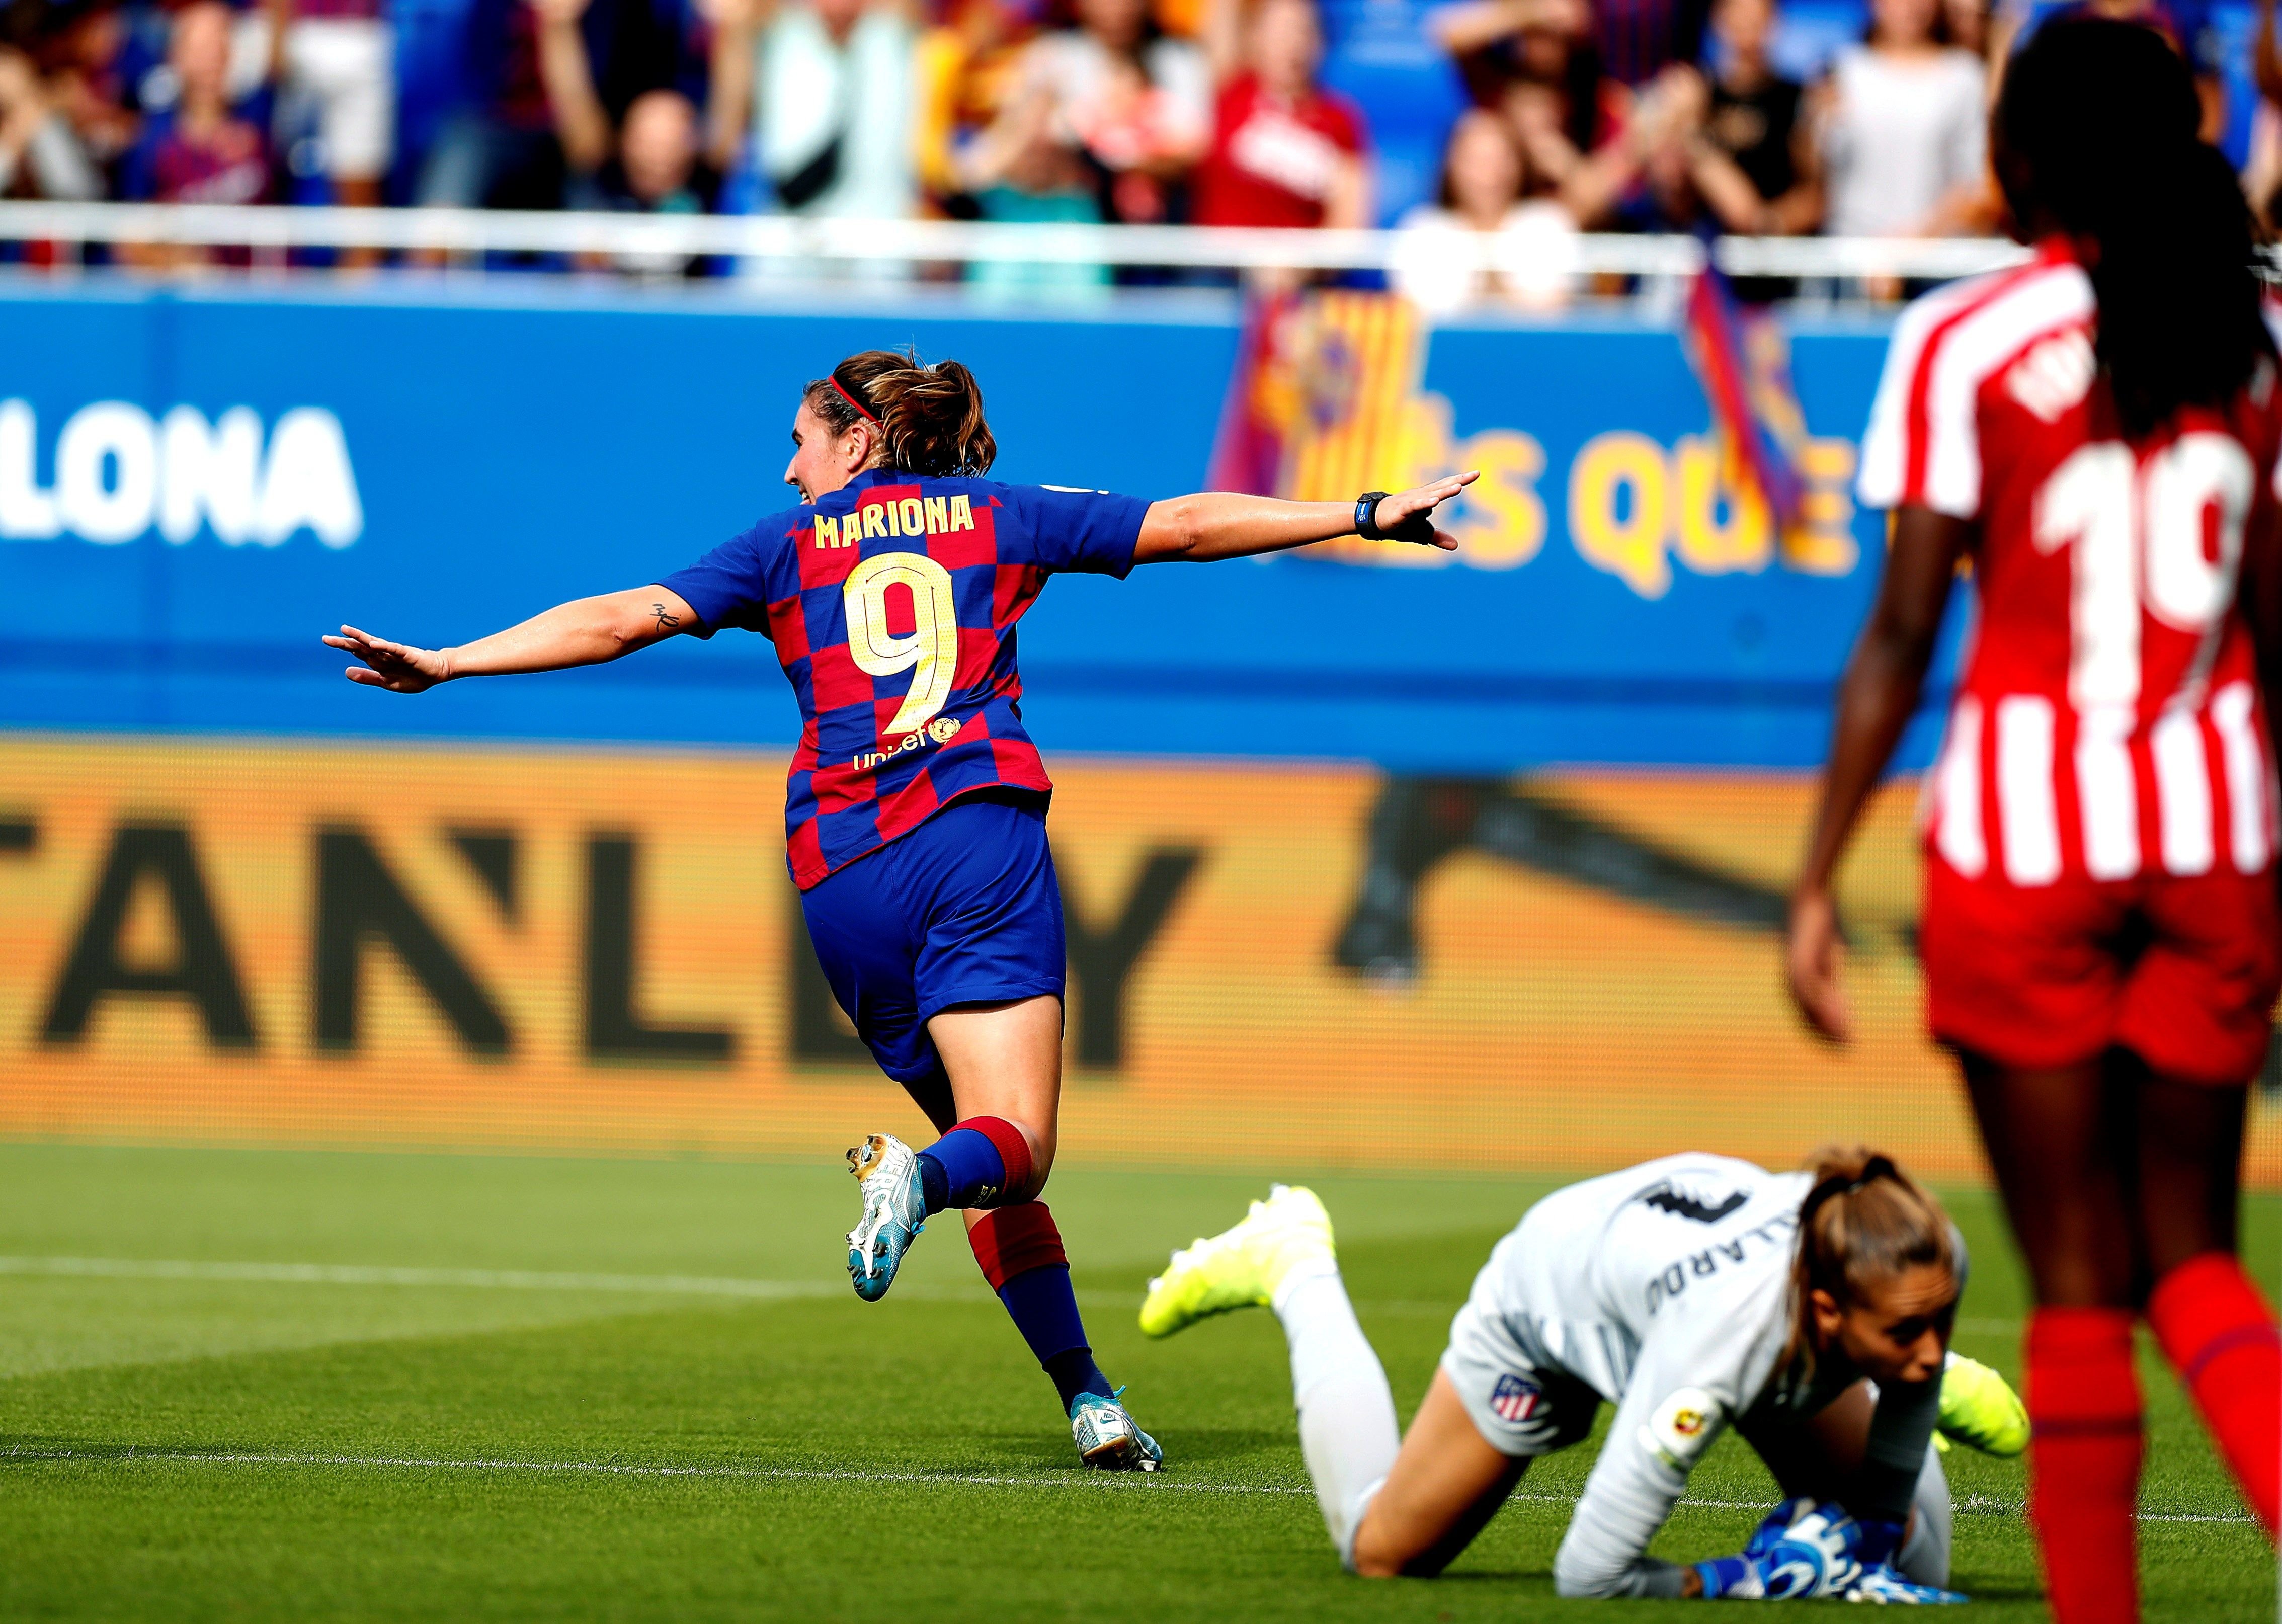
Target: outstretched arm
x=1215, y=524
x=1876, y=702
x=585, y=631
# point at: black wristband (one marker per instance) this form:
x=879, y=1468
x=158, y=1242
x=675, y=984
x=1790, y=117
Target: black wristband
x=1419, y=529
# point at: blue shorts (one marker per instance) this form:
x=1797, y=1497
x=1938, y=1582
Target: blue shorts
x=965, y=909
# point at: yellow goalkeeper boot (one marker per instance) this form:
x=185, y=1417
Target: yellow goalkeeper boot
x=1979, y=1409
x=1239, y=1268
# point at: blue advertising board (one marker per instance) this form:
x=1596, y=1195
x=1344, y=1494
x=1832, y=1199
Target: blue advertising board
x=194, y=486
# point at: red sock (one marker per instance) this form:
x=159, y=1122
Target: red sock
x=2083, y=1462
x=2219, y=1335
x=1013, y=1240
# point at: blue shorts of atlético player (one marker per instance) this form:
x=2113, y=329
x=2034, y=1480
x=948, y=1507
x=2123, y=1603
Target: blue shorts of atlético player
x=965, y=909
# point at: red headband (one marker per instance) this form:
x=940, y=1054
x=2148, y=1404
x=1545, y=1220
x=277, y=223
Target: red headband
x=862, y=410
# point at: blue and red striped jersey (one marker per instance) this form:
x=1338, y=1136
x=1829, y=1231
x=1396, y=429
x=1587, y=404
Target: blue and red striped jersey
x=892, y=603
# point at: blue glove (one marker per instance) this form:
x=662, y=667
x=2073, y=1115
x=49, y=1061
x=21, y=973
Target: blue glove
x=1881, y=1582
x=1775, y=1525
x=1804, y=1548
x=1879, y=1543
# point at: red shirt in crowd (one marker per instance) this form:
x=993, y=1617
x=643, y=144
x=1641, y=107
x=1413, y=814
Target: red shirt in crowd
x=1273, y=163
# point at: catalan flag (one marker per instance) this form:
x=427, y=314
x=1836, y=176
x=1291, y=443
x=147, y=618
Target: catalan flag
x=1319, y=406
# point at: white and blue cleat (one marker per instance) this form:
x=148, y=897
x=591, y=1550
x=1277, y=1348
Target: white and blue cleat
x=894, y=1211
x=1106, y=1438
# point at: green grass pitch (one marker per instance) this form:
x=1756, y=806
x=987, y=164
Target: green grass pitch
x=262, y=1384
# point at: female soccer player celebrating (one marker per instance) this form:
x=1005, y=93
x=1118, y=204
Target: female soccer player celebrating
x=1694, y=1292
x=915, y=815
x=2097, y=431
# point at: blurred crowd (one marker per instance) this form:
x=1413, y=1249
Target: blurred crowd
x=1467, y=124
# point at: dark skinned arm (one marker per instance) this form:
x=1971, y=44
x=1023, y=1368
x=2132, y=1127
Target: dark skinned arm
x=1876, y=702
x=2259, y=600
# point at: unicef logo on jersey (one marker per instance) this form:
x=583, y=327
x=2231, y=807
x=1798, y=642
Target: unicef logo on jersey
x=119, y=474
x=941, y=730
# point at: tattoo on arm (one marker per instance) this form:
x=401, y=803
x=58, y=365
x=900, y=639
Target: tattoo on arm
x=665, y=621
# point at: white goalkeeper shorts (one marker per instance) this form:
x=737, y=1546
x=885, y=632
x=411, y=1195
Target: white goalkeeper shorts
x=1521, y=1405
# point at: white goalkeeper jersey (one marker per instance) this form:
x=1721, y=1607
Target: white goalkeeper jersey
x=1666, y=1290
x=1680, y=1265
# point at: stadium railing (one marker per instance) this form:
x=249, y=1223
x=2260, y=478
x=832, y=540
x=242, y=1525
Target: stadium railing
x=465, y=234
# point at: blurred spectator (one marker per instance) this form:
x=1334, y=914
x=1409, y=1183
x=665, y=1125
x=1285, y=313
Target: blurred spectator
x=1601, y=186
x=199, y=148
x=966, y=71
x=652, y=164
x=86, y=81
x=1973, y=27
x=1020, y=171
x=1903, y=129
x=1536, y=63
x=1501, y=45
x=1740, y=159
x=829, y=85
x=1133, y=105
x=40, y=153
x=1755, y=131
x=1627, y=42
x=1023, y=170
x=1284, y=152
x=1482, y=244
x=336, y=66
x=501, y=151
x=1639, y=39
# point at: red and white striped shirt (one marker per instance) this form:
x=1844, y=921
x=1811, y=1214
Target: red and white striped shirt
x=2108, y=721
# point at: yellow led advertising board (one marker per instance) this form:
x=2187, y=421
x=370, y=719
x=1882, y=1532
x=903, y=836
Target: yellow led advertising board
x=214, y=941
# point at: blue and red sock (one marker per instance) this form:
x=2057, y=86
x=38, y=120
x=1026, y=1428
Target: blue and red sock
x=983, y=1161
x=1020, y=1253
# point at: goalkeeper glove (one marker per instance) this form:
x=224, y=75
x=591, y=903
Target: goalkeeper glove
x=1804, y=1548
x=1884, y=1587
x=1881, y=1582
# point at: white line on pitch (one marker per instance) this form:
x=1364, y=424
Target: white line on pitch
x=536, y=1279
x=500, y=1279
x=1971, y=1505
x=138, y=1456
x=520, y=1280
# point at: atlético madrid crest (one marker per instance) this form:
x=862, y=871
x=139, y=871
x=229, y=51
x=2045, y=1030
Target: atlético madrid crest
x=1515, y=1398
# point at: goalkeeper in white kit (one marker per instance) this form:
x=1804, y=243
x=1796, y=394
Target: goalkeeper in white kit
x=1810, y=1311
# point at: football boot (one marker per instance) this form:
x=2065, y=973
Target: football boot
x=1979, y=1409
x=894, y=1211
x=1240, y=1267
x=1106, y=1438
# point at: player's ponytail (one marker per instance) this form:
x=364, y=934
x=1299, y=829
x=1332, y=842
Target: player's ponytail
x=2096, y=135
x=930, y=419
x=1864, y=1221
